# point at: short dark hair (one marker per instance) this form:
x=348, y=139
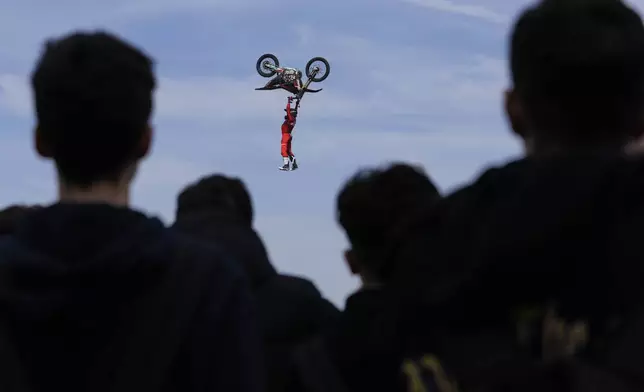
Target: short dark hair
x=217, y=192
x=93, y=100
x=374, y=201
x=578, y=66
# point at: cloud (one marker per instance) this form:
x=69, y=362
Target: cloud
x=25, y=25
x=474, y=11
x=97, y=12
x=15, y=95
x=223, y=99
x=404, y=79
x=205, y=99
x=371, y=83
x=143, y=9
x=469, y=87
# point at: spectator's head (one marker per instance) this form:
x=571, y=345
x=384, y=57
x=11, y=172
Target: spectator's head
x=11, y=217
x=217, y=193
x=578, y=75
x=369, y=207
x=93, y=99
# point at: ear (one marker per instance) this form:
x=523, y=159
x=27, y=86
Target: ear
x=352, y=261
x=40, y=145
x=145, y=143
x=515, y=113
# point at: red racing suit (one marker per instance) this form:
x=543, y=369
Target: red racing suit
x=287, y=128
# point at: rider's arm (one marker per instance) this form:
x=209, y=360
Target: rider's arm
x=288, y=113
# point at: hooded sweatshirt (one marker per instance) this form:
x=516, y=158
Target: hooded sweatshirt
x=290, y=309
x=86, y=288
x=562, y=231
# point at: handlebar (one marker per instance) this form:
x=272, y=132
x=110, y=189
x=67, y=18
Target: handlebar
x=297, y=99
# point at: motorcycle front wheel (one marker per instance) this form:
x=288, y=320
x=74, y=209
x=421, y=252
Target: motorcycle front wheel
x=322, y=66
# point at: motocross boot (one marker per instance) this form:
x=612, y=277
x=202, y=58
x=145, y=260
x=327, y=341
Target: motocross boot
x=293, y=164
x=286, y=166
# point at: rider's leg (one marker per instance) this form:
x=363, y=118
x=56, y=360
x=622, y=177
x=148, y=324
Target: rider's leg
x=291, y=156
x=286, y=141
x=298, y=88
x=272, y=84
x=275, y=82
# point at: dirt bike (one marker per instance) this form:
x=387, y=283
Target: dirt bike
x=317, y=70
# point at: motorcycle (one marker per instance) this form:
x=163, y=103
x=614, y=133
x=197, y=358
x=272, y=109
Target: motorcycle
x=268, y=65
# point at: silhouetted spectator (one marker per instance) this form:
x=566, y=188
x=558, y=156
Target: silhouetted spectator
x=553, y=238
x=96, y=296
x=12, y=216
x=369, y=207
x=219, y=210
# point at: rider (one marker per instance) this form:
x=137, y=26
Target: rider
x=287, y=127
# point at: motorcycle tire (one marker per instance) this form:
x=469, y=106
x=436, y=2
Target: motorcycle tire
x=319, y=77
x=260, y=65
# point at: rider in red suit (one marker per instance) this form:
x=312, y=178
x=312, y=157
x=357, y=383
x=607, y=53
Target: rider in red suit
x=287, y=127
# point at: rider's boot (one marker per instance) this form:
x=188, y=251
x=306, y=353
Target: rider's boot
x=286, y=165
x=293, y=163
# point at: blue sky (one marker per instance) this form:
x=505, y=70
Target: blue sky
x=412, y=80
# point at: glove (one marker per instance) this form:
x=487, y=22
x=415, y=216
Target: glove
x=290, y=99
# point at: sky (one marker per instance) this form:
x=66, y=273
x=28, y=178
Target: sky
x=419, y=81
